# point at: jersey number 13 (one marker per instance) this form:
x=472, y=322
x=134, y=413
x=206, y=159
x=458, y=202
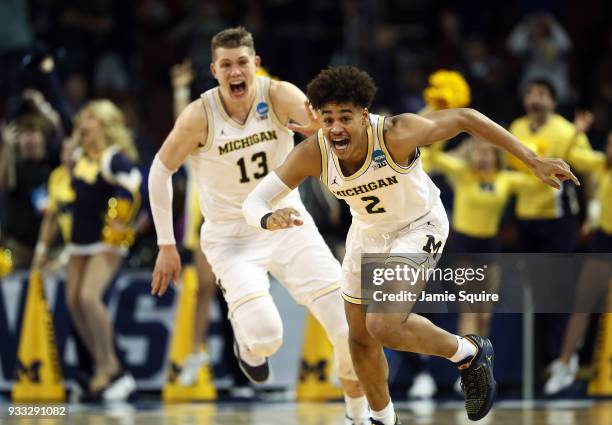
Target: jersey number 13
x=260, y=160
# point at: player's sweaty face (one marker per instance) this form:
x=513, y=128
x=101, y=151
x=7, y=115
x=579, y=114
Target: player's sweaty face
x=234, y=69
x=344, y=127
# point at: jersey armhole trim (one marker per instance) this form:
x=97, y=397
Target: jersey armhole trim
x=210, y=124
x=395, y=166
x=323, y=150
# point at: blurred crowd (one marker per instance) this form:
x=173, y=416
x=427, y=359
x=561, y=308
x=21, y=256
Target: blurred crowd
x=55, y=55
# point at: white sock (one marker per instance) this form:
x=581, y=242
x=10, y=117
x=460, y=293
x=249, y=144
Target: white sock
x=386, y=416
x=465, y=349
x=357, y=407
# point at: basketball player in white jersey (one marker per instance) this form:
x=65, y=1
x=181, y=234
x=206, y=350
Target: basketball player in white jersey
x=372, y=162
x=233, y=136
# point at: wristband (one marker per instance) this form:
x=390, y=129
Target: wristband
x=264, y=221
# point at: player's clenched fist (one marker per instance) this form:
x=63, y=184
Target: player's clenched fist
x=282, y=219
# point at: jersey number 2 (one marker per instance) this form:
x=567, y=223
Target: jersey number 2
x=372, y=202
x=262, y=163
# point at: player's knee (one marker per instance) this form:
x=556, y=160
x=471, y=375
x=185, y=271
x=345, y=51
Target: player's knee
x=260, y=326
x=378, y=327
x=266, y=337
x=266, y=348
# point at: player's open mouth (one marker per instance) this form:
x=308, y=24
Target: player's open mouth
x=238, y=88
x=341, y=144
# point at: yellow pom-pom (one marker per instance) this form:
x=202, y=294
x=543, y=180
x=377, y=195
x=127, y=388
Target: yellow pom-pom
x=117, y=230
x=447, y=89
x=6, y=261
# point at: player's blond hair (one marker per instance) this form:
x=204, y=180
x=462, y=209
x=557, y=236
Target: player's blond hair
x=114, y=130
x=232, y=38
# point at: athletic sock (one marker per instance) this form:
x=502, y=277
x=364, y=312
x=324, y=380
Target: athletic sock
x=356, y=407
x=465, y=349
x=386, y=415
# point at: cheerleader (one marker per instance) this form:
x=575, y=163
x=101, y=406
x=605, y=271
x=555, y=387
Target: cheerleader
x=106, y=185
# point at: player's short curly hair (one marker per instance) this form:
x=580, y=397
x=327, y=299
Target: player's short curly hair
x=232, y=38
x=341, y=84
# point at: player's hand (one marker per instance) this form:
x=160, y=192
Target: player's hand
x=167, y=268
x=553, y=171
x=283, y=219
x=583, y=121
x=309, y=128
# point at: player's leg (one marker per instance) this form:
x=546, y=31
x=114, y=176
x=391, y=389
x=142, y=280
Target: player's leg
x=370, y=365
x=329, y=311
x=243, y=279
x=304, y=264
x=407, y=331
x=98, y=275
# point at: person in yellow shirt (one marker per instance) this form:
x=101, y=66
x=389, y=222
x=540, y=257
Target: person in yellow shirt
x=546, y=217
x=482, y=190
x=594, y=277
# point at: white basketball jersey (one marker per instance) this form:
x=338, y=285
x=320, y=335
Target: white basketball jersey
x=236, y=157
x=383, y=196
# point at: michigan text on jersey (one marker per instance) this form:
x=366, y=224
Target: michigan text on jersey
x=368, y=187
x=247, y=141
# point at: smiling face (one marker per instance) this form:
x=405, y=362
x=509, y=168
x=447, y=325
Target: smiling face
x=234, y=69
x=344, y=125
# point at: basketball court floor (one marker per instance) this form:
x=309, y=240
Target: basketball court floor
x=417, y=413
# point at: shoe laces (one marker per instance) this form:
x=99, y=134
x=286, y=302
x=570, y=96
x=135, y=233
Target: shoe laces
x=473, y=385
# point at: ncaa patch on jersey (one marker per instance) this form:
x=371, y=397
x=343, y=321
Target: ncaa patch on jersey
x=262, y=110
x=379, y=158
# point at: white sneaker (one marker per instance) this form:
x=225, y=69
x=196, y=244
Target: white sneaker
x=423, y=386
x=191, y=367
x=561, y=375
x=362, y=421
x=121, y=389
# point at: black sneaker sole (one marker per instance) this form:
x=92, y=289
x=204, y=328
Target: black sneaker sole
x=245, y=368
x=485, y=350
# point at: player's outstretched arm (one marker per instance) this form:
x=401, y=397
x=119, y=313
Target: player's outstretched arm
x=405, y=132
x=189, y=130
x=303, y=161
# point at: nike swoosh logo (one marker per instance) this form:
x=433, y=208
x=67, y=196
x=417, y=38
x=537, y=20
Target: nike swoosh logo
x=489, y=359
